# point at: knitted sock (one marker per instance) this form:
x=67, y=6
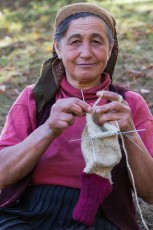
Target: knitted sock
x=100, y=147
x=101, y=152
x=94, y=189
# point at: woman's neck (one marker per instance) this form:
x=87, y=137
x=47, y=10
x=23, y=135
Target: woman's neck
x=84, y=84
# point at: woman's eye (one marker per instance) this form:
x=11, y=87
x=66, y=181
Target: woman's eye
x=75, y=42
x=96, y=42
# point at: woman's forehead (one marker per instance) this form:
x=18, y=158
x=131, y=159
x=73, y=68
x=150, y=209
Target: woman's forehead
x=88, y=25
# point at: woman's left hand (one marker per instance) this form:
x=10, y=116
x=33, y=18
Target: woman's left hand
x=140, y=161
x=117, y=110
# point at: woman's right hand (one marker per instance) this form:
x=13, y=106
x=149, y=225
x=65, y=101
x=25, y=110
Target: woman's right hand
x=63, y=114
x=20, y=159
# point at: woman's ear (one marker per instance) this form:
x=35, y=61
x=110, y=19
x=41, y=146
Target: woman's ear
x=111, y=48
x=57, y=49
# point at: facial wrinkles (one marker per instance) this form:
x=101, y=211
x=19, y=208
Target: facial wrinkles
x=85, y=41
x=86, y=29
x=85, y=59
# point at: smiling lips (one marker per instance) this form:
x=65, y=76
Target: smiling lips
x=86, y=64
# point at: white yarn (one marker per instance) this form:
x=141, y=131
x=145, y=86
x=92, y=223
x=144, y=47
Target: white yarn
x=82, y=95
x=134, y=187
x=132, y=180
x=93, y=148
x=106, y=130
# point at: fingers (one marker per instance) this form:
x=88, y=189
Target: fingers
x=62, y=121
x=111, y=107
x=110, y=96
x=71, y=105
x=117, y=110
x=63, y=113
x=110, y=114
x=117, y=103
x=76, y=107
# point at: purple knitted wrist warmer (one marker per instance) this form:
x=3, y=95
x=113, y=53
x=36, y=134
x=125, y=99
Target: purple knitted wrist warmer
x=94, y=190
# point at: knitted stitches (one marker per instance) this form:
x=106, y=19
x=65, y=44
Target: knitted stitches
x=94, y=190
x=100, y=147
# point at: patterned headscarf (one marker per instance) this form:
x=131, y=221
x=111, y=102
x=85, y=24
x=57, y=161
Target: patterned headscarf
x=53, y=69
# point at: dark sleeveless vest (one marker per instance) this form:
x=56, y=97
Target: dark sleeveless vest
x=119, y=206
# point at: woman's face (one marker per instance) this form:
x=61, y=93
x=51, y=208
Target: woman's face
x=84, y=51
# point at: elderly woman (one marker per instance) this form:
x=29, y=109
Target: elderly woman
x=43, y=131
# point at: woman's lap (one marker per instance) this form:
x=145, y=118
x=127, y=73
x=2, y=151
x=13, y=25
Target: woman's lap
x=17, y=224
x=49, y=208
x=8, y=222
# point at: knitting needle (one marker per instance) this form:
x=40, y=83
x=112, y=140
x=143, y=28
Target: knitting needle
x=132, y=131
x=136, y=130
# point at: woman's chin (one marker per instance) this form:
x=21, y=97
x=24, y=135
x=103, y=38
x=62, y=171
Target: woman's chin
x=85, y=82
x=88, y=77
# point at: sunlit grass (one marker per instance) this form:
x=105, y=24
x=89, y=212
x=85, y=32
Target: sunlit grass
x=26, y=35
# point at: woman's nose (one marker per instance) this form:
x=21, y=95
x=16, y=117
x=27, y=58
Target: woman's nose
x=85, y=50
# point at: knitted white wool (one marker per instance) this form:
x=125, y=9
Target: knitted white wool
x=100, y=147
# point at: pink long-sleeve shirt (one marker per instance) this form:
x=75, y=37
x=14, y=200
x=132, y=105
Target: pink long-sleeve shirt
x=62, y=162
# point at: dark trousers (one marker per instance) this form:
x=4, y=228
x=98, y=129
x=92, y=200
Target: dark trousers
x=48, y=207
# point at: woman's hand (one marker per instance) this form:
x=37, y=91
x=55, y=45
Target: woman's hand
x=117, y=110
x=140, y=161
x=63, y=113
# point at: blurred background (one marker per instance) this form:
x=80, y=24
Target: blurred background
x=26, y=30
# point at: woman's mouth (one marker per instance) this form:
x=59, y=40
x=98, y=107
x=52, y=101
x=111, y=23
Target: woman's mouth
x=86, y=64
